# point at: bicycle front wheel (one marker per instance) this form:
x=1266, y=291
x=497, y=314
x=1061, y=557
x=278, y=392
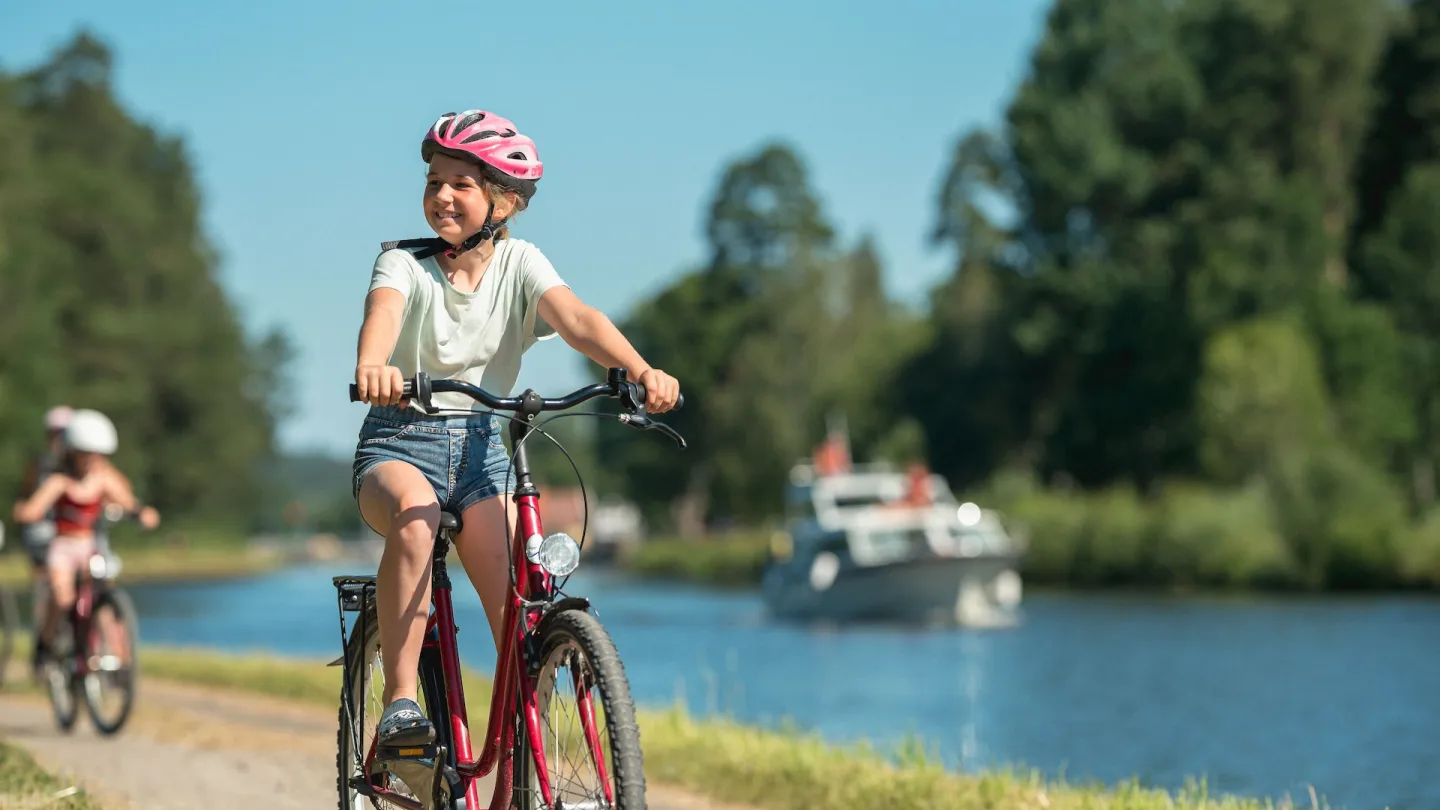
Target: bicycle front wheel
x=109, y=685
x=588, y=732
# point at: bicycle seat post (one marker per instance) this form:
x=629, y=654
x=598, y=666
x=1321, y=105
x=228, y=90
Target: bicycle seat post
x=450, y=525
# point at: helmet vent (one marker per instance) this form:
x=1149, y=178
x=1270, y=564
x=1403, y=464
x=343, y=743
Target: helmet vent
x=467, y=122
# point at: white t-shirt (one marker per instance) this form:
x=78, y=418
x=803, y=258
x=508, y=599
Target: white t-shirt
x=473, y=337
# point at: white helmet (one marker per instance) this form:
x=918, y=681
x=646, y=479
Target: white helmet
x=91, y=432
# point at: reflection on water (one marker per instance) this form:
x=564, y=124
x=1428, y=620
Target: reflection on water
x=1263, y=697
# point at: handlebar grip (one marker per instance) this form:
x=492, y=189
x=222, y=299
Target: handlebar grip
x=640, y=389
x=408, y=392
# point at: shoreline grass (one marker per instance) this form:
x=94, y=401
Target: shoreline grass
x=24, y=784
x=165, y=563
x=726, y=760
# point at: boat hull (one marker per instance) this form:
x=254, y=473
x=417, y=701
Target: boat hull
x=978, y=591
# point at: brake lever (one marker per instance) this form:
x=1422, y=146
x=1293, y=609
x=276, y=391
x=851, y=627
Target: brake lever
x=638, y=418
x=643, y=422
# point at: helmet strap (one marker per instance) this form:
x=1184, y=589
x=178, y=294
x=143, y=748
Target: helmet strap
x=479, y=237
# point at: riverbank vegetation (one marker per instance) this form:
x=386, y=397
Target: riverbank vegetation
x=1186, y=537
x=732, y=762
x=728, y=560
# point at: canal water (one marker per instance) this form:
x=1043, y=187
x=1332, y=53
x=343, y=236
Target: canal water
x=1261, y=697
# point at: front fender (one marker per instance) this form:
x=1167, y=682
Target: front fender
x=568, y=603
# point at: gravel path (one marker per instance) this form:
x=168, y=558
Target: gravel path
x=191, y=747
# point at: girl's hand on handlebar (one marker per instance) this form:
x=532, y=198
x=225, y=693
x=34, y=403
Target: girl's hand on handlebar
x=661, y=390
x=380, y=385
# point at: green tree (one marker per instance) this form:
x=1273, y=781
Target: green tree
x=1400, y=259
x=113, y=298
x=780, y=331
x=1159, y=193
x=1262, y=399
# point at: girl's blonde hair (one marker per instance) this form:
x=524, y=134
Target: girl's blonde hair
x=493, y=192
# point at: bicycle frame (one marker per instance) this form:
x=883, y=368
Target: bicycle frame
x=514, y=690
x=82, y=618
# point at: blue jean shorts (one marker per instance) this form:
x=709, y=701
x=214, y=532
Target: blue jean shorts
x=462, y=457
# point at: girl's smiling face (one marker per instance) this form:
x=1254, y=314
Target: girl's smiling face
x=455, y=199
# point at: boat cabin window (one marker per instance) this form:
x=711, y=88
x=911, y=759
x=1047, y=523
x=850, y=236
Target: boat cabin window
x=880, y=546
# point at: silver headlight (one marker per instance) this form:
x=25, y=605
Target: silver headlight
x=559, y=554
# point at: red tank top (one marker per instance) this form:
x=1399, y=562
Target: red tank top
x=73, y=517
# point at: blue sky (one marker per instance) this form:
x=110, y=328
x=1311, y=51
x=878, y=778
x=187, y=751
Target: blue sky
x=303, y=119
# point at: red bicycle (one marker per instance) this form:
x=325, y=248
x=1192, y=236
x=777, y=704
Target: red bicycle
x=93, y=651
x=546, y=631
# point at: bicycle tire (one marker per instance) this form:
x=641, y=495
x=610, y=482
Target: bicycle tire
x=363, y=646
x=9, y=629
x=124, y=609
x=59, y=673
x=626, y=768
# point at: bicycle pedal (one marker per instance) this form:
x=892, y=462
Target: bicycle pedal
x=428, y=752
x=418, y=766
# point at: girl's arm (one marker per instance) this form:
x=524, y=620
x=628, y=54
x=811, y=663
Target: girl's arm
x=588, y=331
x=379, y=383
x=33, y=508
x=116, y=488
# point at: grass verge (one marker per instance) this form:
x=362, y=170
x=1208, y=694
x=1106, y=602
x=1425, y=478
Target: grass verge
x=732, y=762
x=24, y=785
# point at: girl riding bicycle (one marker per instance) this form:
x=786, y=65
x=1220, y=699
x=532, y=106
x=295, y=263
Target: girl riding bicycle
x=463, y=307
x=78, y=492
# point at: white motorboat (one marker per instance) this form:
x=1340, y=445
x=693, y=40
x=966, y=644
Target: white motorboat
x=855, y=550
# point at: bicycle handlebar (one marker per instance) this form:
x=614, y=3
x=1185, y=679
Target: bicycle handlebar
x=632, y=396
x=420, y=386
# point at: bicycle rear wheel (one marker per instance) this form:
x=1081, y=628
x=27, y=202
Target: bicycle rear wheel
x=357, y=723
x=109, y=686
x=588, y=731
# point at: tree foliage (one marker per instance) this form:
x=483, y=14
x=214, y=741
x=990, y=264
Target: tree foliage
x=109, y=296
x=1198, y=251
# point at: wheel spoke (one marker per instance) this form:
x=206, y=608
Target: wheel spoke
x=581, y=691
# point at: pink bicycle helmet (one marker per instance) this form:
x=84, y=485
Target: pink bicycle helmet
x=58, y=417
x=508, y=157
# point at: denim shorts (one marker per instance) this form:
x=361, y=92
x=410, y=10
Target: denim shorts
x=462, y=457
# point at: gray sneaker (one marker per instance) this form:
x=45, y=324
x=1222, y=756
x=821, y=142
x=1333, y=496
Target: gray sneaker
x=402, y=724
